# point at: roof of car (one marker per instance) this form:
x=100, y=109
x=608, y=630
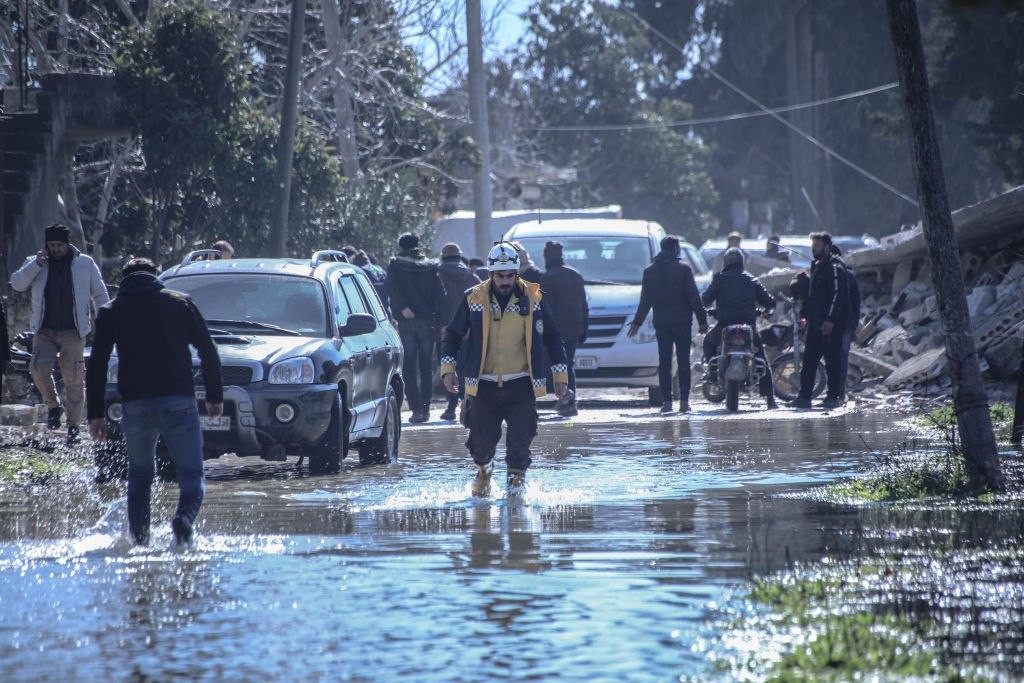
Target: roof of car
x=279, y=266
x=585, y=226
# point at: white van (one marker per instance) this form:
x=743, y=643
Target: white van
x=611, y=255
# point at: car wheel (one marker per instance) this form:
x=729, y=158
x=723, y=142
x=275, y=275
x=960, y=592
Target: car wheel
x=326, y=458
x=384, y=448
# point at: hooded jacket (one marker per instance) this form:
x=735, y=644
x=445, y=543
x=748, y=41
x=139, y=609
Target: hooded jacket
x=87, y=289
x=669, y=288
x=474, y=317
x=566, y=299
x=828, y=298
x=737, y=295
x=456, y=278
x=413, y=283
x=152, y=328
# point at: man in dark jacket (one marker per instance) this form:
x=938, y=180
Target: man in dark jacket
x=153, y=328
x=415, y=294
x=826, y=310
x=566, y=300
x=456, y=278
x=669, y=288
x=737, y=294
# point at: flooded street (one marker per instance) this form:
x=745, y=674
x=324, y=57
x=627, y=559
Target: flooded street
x=633, y=533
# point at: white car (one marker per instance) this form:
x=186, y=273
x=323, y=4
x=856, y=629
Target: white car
x=611, y=255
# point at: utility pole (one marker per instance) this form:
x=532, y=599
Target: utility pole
x=969, y=399
x=286, y=141
x=481, y=132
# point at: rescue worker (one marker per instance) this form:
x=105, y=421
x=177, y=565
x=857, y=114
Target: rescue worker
x=736, y=295
x=507, y=329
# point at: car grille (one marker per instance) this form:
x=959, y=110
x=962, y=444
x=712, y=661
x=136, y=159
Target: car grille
x=230, y=374
x=602, y=331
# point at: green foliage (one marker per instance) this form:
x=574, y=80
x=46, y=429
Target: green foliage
x=589, y=65
x=910, y=472
x=833, y=643
x=944, y=419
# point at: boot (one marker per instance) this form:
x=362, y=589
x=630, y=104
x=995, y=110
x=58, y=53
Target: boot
x=666, y=407
x=449, y=414
x=516, y=482
x=482, y=483
x=53, y=417
x=569, y=409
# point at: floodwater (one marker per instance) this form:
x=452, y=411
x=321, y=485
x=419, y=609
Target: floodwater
x=612, y=566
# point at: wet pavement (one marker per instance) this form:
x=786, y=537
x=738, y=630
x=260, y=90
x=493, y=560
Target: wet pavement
x=634, y=533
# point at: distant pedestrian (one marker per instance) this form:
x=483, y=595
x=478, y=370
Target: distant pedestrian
x=476, y=264
x=457, y=279
x=153, y=328
x=826, y=311
x=378, y=276
x=732, y=241
x=416, y=293
x=566, y=301
x=668, y=287
x=772, y=249
x=528, y=270
x=66, y=287
x=225, y=248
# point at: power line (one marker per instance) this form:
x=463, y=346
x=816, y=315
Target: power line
x=716, y=119
x=750, y=98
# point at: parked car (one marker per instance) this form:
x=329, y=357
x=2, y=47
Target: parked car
x=611, y=255
x=311, y=362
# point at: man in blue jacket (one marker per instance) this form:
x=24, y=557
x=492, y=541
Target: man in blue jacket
x=668, y=287
x=152, y=328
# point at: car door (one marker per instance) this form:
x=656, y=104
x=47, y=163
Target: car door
x=356, y=348
x=369, y=382
x=386, y=345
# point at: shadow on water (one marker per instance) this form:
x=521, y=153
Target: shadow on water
x=613, y=565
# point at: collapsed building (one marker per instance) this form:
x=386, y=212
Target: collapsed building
x=900, y=337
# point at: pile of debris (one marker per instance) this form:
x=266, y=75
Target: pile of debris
x=900, y=338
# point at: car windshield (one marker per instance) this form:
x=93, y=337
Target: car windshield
x=606, y=259
x=288, y=302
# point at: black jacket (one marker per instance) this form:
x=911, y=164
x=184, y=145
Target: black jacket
x=566, y=299
x=669, y=288
x=737, y=294
x=456, y=278
x=413, y=283
x=153, y=328
x=829, y=298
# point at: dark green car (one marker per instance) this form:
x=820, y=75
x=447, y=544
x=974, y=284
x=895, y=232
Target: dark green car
x=311, y=362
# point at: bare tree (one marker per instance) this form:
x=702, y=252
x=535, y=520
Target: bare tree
x=969, y=399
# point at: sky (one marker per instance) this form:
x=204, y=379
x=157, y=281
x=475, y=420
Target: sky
x=510, y=27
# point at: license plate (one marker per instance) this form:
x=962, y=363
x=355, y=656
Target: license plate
x=221, y=423
x=585, y=362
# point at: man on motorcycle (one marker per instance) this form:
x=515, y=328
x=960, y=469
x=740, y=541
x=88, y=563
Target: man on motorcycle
x=737, y=295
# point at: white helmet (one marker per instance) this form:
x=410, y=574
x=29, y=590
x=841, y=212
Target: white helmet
x=502, y=256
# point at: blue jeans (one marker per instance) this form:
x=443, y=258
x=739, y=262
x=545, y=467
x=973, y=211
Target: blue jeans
x=418, y=343
x=679, y=336
x=176, y=419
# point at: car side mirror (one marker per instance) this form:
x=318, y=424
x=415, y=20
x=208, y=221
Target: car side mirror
x=357, y=324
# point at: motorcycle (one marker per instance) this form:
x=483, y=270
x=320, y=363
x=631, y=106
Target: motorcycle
x=783, y=346
x=735, y=368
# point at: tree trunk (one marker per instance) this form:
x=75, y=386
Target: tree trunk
x=969, y=399
x=342, y=91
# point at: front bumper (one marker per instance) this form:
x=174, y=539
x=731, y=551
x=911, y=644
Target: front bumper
x=254, y=424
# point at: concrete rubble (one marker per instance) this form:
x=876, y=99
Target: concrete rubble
x=899, y=338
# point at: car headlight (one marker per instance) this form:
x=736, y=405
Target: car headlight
x=291, y=371
x=112, y=372
x=645, y=335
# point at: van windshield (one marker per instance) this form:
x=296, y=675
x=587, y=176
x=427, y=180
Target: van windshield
x=617, y=260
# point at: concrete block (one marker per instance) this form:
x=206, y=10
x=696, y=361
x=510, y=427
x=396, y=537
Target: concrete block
x=1016, y=272
x=889, y=339
x=990, y=330
x=926, y=367
x=979, y=299
x=1003, y=357
x=20, y=415
x=901, y=277
x=970, y=265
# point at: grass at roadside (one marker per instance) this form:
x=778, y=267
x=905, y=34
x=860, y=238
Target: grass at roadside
x=918, y=469
x=28, y=459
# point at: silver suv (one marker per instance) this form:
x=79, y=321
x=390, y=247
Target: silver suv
x=611, y=255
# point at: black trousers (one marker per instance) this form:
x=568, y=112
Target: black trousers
x=418, y=338
x=830, y=347
x=679, y=336
x=512, y=403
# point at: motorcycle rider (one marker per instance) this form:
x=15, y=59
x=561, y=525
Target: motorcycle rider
x=738, y=294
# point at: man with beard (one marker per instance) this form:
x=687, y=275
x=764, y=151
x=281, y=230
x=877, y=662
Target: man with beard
x=506, y=330
x=826, y=311
x=67, y=288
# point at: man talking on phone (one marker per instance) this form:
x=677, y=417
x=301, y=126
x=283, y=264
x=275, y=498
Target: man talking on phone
x=67, y=288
